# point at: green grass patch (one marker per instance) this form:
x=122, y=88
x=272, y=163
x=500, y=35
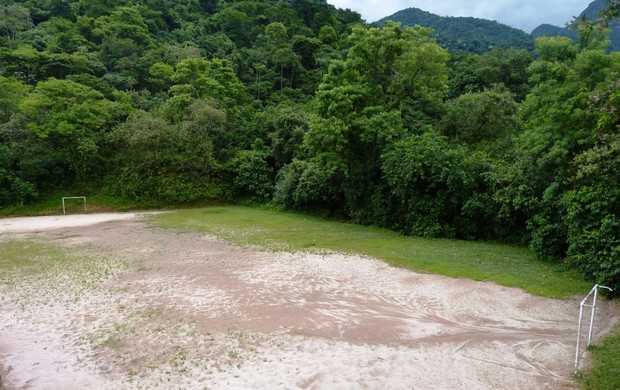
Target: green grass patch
x=30, y=257
x=56, y=270
x=604, y=372
x=506, y=265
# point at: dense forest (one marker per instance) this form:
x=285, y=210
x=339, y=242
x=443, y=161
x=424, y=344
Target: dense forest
x=300, y=105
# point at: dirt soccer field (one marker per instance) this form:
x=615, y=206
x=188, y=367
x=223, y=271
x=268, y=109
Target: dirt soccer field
x=146, y=308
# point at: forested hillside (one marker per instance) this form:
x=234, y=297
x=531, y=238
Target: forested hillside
x=300, y=105
x=591, y=13
x=465, y=34
x=550, y=31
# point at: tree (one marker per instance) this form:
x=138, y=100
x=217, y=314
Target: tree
x=559, y=126
x=236, y=24
x=14, y=18
x=73, y=118
x=486, y=120
x=472, y=73
x=146, y=169
x=125, y=22
x=430, y=182
x=284, y=126
x=62, y=36
x=21, y=63
x=593, y=213
x=160, y=76
x=361, y=104
x=215, y=79
x=253, y=175
x=12, y=91
x=14, y=190
x=205, y=129
x=162, y=161
x=97, y=8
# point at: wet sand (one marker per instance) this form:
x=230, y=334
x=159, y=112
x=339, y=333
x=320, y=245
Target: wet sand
x=148, y=308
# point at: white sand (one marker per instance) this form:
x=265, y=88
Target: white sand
x=33, y=224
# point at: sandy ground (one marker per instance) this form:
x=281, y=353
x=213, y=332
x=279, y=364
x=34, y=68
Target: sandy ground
x=152, y=309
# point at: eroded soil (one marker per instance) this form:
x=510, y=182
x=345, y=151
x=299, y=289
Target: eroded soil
x=149, y=309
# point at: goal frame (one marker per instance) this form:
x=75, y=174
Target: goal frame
x=582, y=305
x=64, y=210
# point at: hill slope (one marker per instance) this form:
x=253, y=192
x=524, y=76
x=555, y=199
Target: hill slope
x=465, y=34
x=551, y=30
x=592, y=12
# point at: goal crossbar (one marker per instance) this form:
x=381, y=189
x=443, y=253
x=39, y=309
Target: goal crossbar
x=64, y=210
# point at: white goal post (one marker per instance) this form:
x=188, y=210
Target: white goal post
x=64, y=210
x=594, y=293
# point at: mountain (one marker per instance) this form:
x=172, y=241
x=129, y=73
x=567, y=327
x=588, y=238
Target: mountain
x=465, y=34
x=477, y=36
x=592, y=12
x=551, y=30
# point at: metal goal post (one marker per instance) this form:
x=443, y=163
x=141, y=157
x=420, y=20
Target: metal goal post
x=584, y=303
x=64, y=210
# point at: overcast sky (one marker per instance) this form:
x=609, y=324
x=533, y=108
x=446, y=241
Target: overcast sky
x=523, y=14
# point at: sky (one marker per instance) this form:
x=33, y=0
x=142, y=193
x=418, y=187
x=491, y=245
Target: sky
x=522, y=14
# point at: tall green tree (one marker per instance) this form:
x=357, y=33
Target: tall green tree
x=484, y=120
x=14, y=18
x=360, y=106
x=559, y=126
x=73, y=118
x=196, y=78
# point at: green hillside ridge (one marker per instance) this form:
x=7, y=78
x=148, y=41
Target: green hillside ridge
x=477, y=36
x=465, y=34
x=549, y=30
x=591, y=13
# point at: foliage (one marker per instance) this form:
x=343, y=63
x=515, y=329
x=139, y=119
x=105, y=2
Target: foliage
x=486, y=118
x=569, y=214
x=168, y=162
x=360, y=104
x=436, y=188
x=601, y=16
x=203, y=79
x=497, y=67
x=15, y=190
x=593, y=213
x=253, y=175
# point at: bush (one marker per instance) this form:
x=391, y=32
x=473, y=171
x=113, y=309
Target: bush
x=594, y=233
x=432, y=180
x=161, y=187
x=15, y=191
x=593, y=214
x=253, y=175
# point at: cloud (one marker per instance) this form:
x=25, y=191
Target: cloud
x=522, y=14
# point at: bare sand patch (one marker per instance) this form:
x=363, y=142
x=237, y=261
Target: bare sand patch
x=179, y=310
x=34, y=224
